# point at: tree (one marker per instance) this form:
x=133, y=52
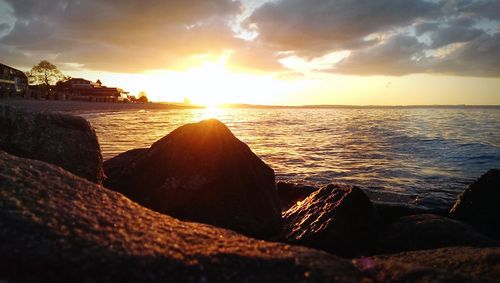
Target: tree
x=143, y=97
x=45, y=73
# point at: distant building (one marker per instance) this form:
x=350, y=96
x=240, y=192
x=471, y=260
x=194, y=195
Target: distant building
x=82, y=89
x=12, y=81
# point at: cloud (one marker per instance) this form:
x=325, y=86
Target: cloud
x=398, y=55
x=125, y=35
x=316, y=27
x=381, y=37
x=480, y=57
x=386, y=37
x=252, y=57
x=4, y=27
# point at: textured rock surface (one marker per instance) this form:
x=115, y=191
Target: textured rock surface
x=390, y=212
x=114, y=166
x=338, y=219
x=290, y=194
x=56, y=227
x=60, y=139
x=479, y=205
x=428, y=231
x=202, y=172
x=458, y=264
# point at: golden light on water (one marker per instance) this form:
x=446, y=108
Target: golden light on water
x=213, y=111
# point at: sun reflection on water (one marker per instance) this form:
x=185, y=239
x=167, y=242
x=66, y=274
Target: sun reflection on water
x=212, y=112
x=397, y=151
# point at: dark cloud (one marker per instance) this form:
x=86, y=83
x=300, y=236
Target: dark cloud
x=121, y=35
x=315, y=27
x=386, y=37
x=4, y=27
x=398, y=55
x=480, y=57
x=383, y=37
x=453, y=34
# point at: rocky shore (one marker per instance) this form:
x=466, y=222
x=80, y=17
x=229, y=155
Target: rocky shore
x=200, y=206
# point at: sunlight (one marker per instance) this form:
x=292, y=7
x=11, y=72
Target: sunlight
x=210, y=84
x=211, y=112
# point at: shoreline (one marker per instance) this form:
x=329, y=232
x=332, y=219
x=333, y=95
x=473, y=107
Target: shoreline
x=88, y=107
x=182, y=225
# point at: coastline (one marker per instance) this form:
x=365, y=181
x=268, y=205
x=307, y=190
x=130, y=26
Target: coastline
x=118, y=214
x=88, y=107
x=82, y=106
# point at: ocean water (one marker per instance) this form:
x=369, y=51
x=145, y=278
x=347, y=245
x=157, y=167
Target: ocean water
x=420, y=156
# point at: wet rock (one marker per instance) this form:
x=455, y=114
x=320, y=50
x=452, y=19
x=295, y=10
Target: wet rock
x=338, y=219
x=57, y=227
x=428, y=231
x=479, y=205
x=60, y=139
x=202, y=172
x=458, y=264
x=390, y=212
x=290, y=194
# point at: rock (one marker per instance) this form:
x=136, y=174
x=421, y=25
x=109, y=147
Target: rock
x=202, y=172
x=113, y=167
x=479, y=205
x=458, y=264
x=60, y=139
x=290, y=194
x=428, y=231
x=57, y=227
x=390, y=212
x=337, y=219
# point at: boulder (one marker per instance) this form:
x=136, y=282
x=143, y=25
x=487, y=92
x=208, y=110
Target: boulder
x=338, y=219
x=64, y=140
x=429, y=231
x=479, y=205
x=114, y=166
x=57, y=227
x=202, y=172
x=457, y=264
x=390, y=212
x=290, y=194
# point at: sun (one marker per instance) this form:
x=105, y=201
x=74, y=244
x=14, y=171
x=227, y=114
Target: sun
x=211, y=84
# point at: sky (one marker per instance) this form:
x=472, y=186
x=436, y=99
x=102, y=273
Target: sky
x=283, y=52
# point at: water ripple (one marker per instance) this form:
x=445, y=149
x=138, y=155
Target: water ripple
x=421, y=156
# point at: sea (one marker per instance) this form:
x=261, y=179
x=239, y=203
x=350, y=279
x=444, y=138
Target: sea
x=422, y=156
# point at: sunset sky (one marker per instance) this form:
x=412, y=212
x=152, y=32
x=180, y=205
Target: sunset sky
x=286, y=52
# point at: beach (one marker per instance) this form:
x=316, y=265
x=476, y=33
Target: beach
x=83, y=106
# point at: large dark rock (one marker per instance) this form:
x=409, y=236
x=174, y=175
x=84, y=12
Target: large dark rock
x=428, y=231
x=458, y=264
x=390, y=212
x=57, y=227
x=114, y=166
x=479, y=204
x=61, y=139
x=202, y=172
x=290, y=194
x=338, y=219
